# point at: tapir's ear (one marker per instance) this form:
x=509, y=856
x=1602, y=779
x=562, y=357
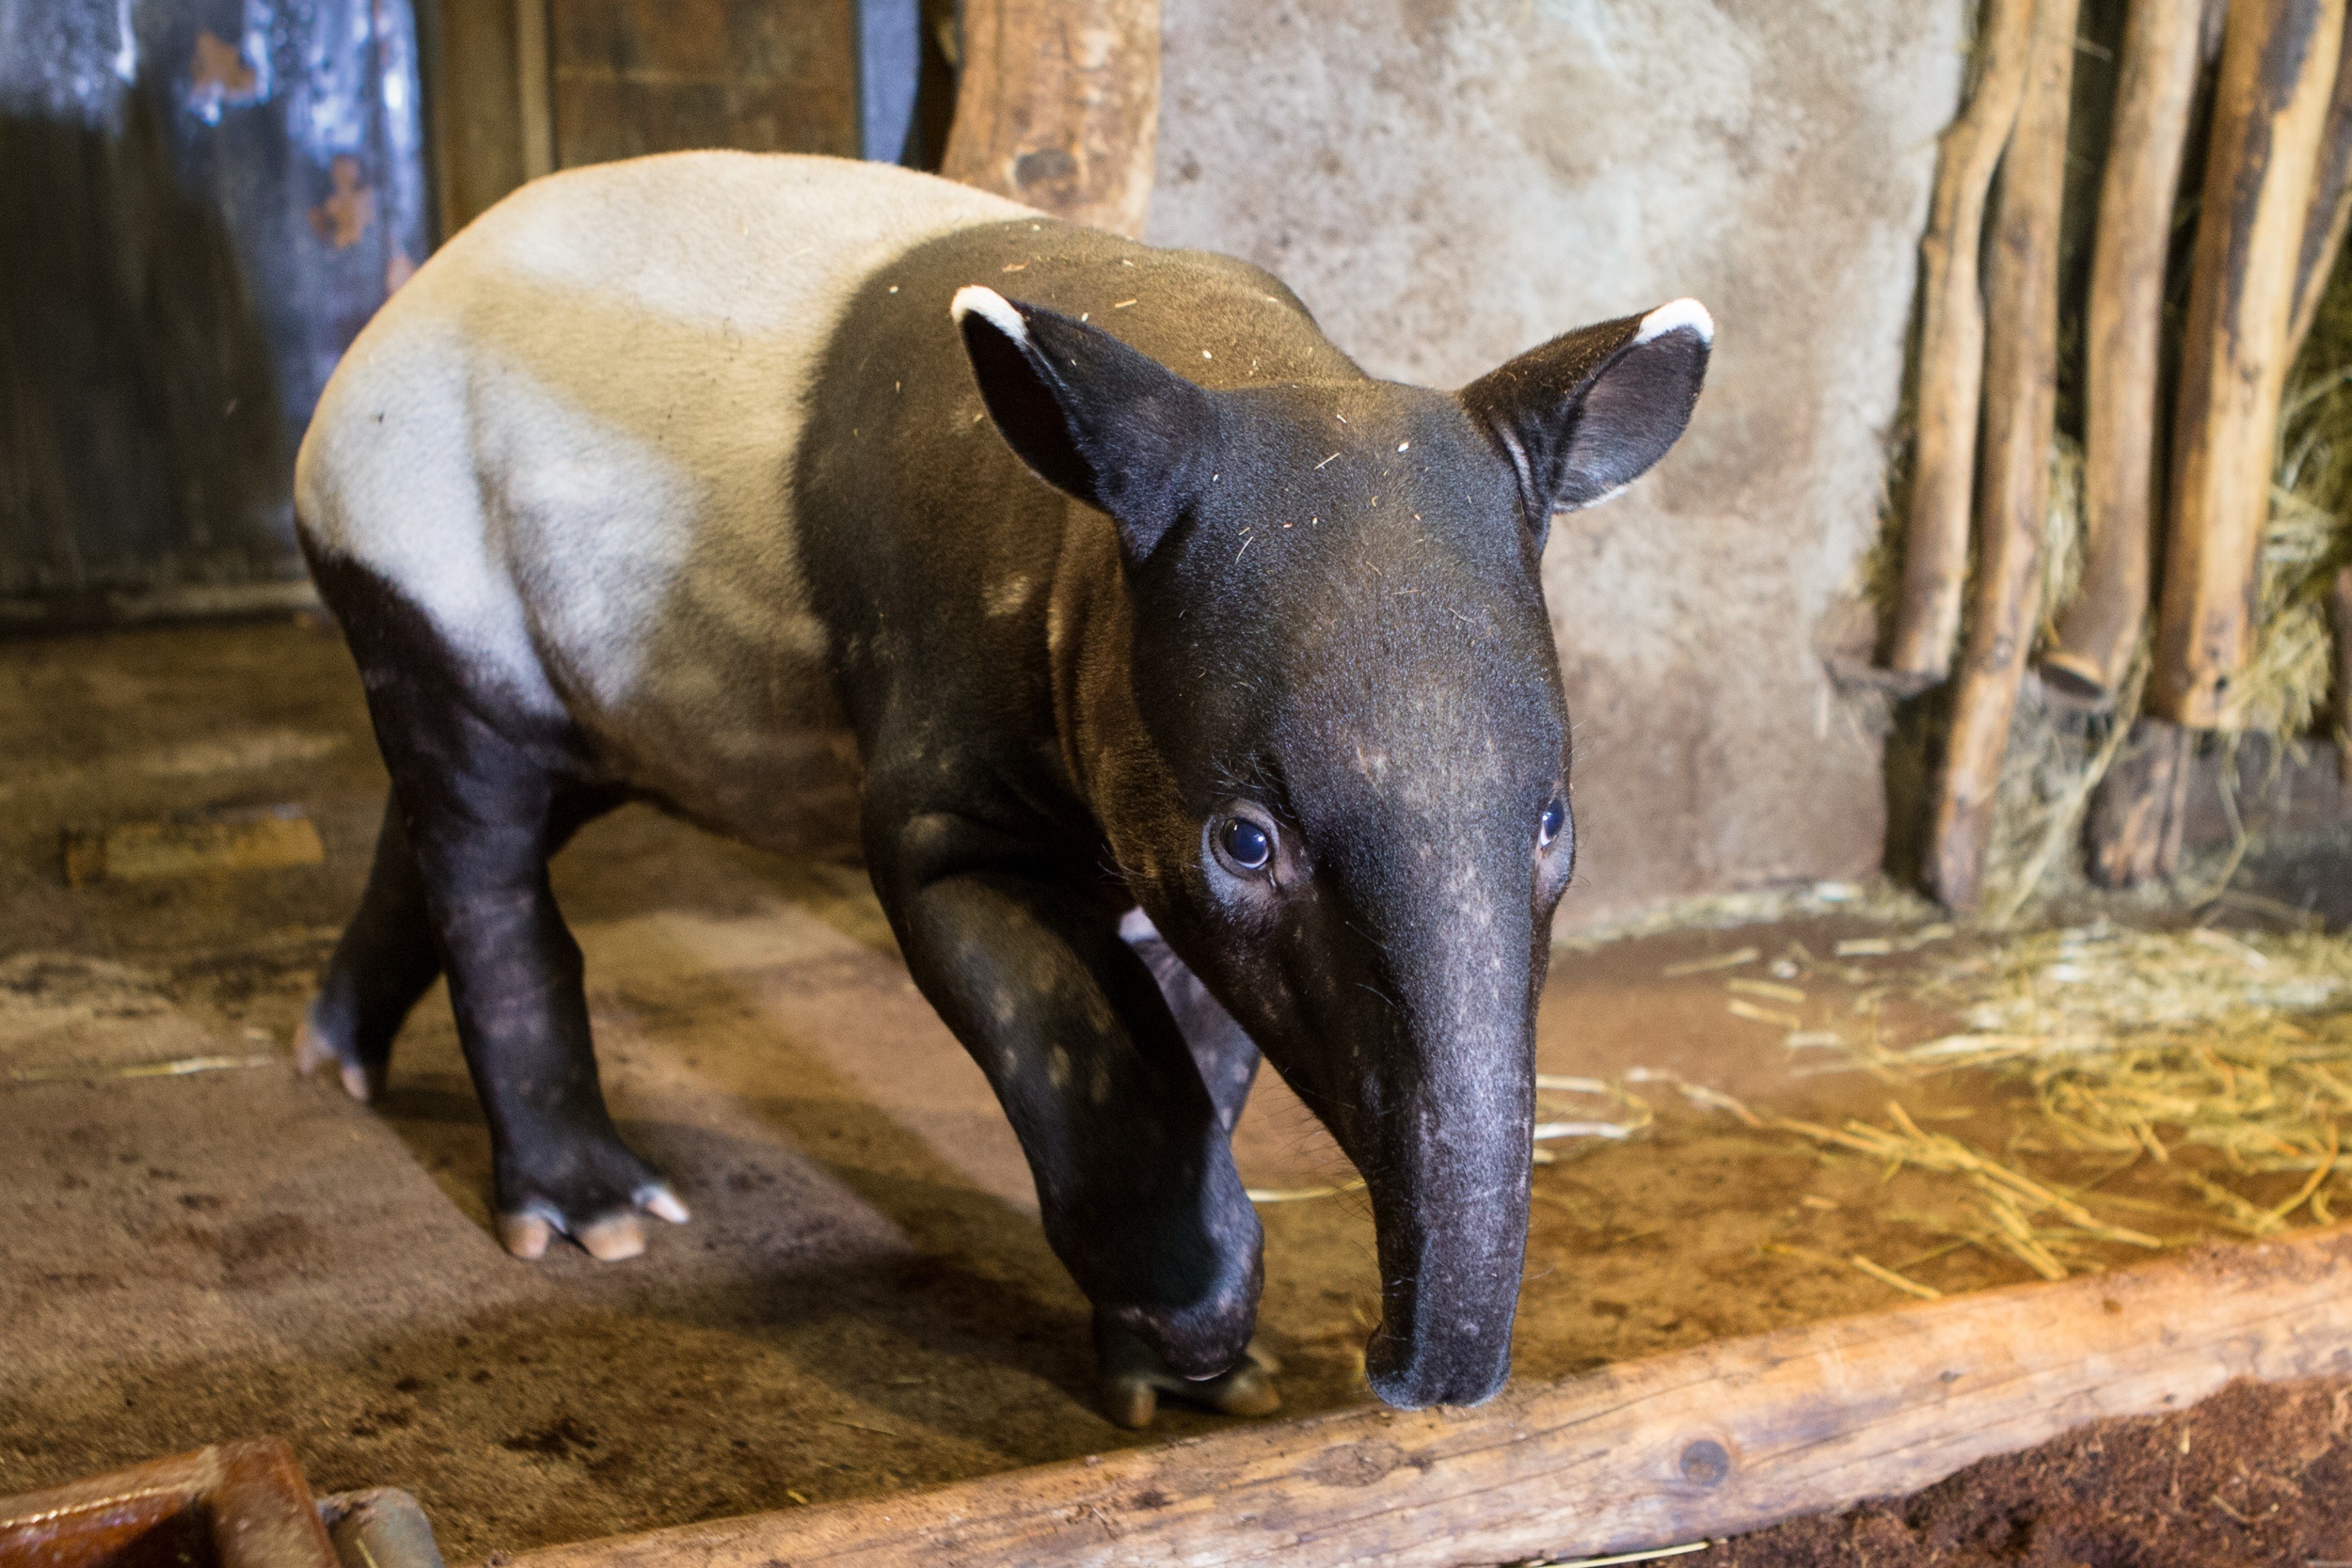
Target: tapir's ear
x=1587, y=414
x=1093, y=418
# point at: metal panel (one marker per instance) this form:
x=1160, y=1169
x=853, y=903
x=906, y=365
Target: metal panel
x=225, y=191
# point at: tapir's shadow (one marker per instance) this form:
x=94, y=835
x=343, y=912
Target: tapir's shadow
x=843, y=1216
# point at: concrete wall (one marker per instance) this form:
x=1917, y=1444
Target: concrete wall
x=1447, y=182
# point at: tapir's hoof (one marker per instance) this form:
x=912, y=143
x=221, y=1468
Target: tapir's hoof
x=312, y=1051
x=608, y=1238
x=1133, y=1378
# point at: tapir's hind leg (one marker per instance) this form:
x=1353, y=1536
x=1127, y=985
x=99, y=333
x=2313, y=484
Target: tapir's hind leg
x=384, y=961
x=1132, y=1376
x=486, y=791
x=1227, y=1056
x=483, y=819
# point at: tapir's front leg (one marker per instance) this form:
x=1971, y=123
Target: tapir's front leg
x=1135, y=1178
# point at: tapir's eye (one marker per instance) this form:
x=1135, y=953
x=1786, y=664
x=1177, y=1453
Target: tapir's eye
x=1548, y=826
x=1249, y=845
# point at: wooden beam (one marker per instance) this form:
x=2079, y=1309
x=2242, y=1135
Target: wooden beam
x=2331, y=208
x=1951, y=354
x=477, y=133
x=2121, y=343
x=2340, y=628
x=535, y=85
x=2019, y=412
x=1058, y=105
x=1706, y=1442
x=2271, y=107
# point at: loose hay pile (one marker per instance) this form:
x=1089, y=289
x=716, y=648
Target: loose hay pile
x=2222, y=1060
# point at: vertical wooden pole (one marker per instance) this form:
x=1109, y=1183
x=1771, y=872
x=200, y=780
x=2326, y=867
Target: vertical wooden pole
x=2021, y=404
x=2271, y=107
x=535, y=85
x=2122, y=339
x=2340, y=623
x=2330, y=207
x=1058, y=106
x=1951, y=352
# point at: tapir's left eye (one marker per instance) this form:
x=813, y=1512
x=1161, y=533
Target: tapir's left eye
x=1548, y=826
x=1247, y=842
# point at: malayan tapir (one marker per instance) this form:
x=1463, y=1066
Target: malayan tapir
x=1187, y=692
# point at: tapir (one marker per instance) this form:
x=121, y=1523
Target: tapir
x=1187, y=692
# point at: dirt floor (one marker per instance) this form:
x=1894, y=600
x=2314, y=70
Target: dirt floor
x=2253, y=1475
x=862, y=1301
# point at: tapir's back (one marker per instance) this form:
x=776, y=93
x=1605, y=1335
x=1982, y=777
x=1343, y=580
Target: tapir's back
x=567, y=441
x=575, y=440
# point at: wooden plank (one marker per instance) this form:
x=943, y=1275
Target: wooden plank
x=2122, y=349
x=1951, y=354
x=1706, y=1442
x=268, y=838
x=639, y=76
x=2270, y=105
x=1058, y=106
x=471, y=78
x=2331, y=210
x=534, y=86
x=2020, y=410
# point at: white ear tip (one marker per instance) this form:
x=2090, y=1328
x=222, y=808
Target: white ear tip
x=992, y=307
x=1676, y=317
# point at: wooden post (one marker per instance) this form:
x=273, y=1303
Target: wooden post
x=2021, y=407
x=2270, y=107
x=1711, y=1441
x=2340, y=623
x=535, y=85
x=1952, y=353
x=1058, y=106
x=2331, y=208
x=2101, y=628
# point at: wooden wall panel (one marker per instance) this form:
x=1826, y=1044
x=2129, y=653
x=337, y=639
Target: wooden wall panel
x=472, y=93
x=638, y=76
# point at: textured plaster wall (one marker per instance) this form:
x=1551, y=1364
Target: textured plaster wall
x=1447, y=182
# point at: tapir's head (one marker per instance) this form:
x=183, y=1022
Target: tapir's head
x=1341, y=657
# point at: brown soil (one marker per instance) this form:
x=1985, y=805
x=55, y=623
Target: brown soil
x=2255, y=1474
x=864, y=1301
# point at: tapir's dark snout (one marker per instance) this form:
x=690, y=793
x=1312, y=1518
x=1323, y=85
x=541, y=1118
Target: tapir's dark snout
x=1445, y=1103
x=1453, y=1230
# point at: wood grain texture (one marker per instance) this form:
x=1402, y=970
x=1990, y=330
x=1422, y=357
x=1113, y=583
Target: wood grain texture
x=2331, y=210
x=1722, y=1438
x=470, y=73
x=2139, y=815
x=2121, y=348
x=1058, y=106
x=2019, y=412
x=2270, y=109
x=638, y=76
x=1951, y=352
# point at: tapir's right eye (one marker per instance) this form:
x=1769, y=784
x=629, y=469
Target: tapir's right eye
x=1246, y=843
